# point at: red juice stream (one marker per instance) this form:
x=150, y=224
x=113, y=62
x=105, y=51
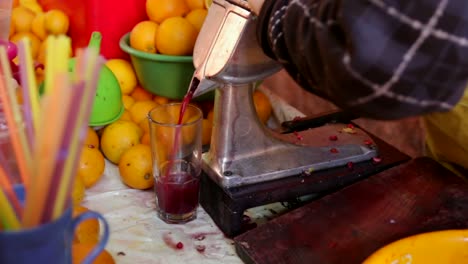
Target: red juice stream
x=178, y=192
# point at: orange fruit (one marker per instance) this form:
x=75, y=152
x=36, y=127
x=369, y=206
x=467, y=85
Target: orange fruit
x=117, y=137
x=160, y=99
x=195, y=4
x=126, y=116
x=127, y=101
x=159, y=10
x=145, y=139
x=88, y=230
x=78, y=191
x=135, y=167
x=90, y=166
x=140, y=94
x=207, y=127
x=262, y=106
x=196, y=17
x=140, y=109
x=176, y=36
x=123, y=71
x=35, y=42
x=144, y=124
x=92, y=138
x=21, y=19
x=38, y=26
x=81, y=250
x=56, y=22
x=143, y=36
x=210, y=115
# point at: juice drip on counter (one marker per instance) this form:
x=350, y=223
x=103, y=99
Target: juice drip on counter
x=178, y=191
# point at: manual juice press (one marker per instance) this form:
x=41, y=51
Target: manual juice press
x=248, y=164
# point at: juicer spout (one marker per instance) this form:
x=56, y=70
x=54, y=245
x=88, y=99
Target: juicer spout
x=202, y=85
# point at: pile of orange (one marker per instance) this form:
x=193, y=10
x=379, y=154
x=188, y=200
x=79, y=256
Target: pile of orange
x=29, y=20
x=172, y=27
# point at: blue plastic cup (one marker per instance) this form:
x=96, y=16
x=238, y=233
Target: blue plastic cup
x=49, y=243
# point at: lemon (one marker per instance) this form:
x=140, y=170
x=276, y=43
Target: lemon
x=118, y=137
x=123, y=71
x=135, y=167
x=88, y=230
x=197, y=17
x=90, y=166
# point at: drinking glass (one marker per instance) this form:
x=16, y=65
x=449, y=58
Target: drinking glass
x=176, y=147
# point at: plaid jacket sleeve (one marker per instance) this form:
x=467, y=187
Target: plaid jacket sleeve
x=384, y=59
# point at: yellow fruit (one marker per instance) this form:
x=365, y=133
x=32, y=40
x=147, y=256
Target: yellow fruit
x=143, y=36
x=126, y=116
x=140, y=94
x=123, y=71
x=78, y=191
x=135, y=167
x=41, y=54
x=88, y=230
x=145, y=139
x=159, y=10
x=32, y=5
x=90, y=166
x=176, y=36
x=128, y=101
x=207, y=126
x=38, y=26
x=262, y=106
x=81, y=250
x=12, y=30
x=160, y=99
x=22, y=18
x=208, y=3
x=34, y=41
x=117, y=137
x=92, y=138
x=140, y=109
x=195, y=4
x=197, y=17
x=210, y=115
x=56, y=22
x=144, y=125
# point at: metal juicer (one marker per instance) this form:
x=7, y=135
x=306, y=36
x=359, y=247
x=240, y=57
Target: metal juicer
x=243, y=151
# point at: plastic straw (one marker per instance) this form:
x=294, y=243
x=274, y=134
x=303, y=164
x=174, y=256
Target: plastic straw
x=49, y=64
x=13, y=118
x=91, y=67
x=29, y=89
x=48, y=140
x=27, y=111
x=9, y=219
x=7, y=185
x=65, y=151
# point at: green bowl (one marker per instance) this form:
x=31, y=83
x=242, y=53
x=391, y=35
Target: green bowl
x=164, y=75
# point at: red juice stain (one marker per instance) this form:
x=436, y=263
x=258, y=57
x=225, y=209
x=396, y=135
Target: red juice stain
x=334, y=150
x=333, y=138
x=200, y=248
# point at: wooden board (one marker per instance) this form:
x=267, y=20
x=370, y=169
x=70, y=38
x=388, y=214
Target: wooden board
x=347, y=226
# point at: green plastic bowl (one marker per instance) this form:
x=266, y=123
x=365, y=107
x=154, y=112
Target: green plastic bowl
x=163, y=75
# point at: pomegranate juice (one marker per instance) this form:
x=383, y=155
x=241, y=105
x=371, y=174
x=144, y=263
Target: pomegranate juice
x=177, y=193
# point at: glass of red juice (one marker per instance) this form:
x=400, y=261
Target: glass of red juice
x=176, y=147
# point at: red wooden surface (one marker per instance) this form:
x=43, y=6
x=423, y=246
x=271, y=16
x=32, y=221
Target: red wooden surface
x=347, y=226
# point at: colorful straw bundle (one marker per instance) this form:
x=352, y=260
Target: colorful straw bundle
x=45, y=132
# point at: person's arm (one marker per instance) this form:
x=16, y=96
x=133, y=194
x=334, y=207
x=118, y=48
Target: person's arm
x=378, y=58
